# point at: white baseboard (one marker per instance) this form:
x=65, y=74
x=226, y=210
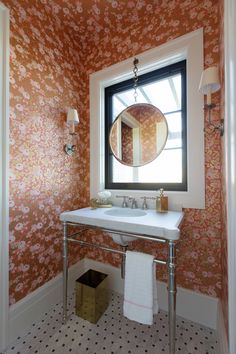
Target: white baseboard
x=193, y=306
x=32, y=307
x=221, y=332
x=190, y=305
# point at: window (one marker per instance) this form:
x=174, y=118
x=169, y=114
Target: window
x=165, y=88
x=188, y=47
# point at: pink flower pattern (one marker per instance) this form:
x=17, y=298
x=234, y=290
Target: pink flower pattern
x=55, y=46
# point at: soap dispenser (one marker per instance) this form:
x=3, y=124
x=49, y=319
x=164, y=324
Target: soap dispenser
x=162, y=202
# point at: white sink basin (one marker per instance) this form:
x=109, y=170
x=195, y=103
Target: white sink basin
x=121, y=239
x=125, y=212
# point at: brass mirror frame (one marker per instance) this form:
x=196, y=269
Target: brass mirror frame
x=159, y=150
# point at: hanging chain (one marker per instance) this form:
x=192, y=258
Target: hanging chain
x=135, y=71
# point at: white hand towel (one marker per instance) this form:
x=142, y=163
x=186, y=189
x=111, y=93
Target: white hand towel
x=140, y=295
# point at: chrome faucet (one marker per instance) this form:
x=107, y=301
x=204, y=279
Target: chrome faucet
x=124, y=203
x=133, y=201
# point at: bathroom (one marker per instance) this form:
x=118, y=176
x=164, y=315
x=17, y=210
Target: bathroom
x=55, y=49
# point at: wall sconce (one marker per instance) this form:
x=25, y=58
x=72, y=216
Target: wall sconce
x=72, y=120
x=210, y=83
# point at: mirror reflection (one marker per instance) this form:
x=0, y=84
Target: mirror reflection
x=138, y=135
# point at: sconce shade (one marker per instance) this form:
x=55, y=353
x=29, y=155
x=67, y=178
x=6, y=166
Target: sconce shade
x=209, y=82
x=72, y=116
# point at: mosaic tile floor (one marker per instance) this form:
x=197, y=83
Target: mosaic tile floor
x=113, y=334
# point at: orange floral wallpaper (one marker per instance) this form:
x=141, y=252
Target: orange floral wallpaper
x=127, y=143
x=149, y=136
x=55, y=45
x=45, y=79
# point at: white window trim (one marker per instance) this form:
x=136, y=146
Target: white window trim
x=190, y=47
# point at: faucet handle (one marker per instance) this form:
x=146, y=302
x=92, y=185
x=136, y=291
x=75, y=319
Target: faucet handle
x=124, y=203
x=144, y=205
x=133, y=201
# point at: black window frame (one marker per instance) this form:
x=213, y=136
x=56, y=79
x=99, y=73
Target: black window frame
x=169, y=70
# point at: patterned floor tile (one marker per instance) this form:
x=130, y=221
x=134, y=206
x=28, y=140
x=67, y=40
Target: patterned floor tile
x=113, y=334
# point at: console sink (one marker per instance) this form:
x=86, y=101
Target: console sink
x=134, y=221
x=125, y=212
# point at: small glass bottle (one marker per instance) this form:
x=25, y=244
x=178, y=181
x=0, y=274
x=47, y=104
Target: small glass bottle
x=162, y=202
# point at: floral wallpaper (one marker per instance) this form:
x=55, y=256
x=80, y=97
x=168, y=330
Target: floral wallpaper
x=127, y=143
x=45, y=79
x=149, y=129
x=55, y=46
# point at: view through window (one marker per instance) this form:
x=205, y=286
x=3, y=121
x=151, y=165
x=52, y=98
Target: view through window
x=165, y=89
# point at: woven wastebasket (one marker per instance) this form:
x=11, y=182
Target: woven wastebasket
x=92, y=295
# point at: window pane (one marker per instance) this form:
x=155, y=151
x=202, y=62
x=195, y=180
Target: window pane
x=162, y=88
x=127, y=97
x=166, y=168
x=121, y=173
x=118, y=107
x=165, y=94
x=174, y=121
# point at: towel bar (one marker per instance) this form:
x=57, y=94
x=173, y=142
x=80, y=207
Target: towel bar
x=104, y=248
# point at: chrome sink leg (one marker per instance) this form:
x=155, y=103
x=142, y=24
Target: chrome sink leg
x=171, y=296
x=65, y=271
x=124, y=249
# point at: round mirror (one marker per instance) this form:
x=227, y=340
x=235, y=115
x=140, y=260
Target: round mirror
x=138, y=134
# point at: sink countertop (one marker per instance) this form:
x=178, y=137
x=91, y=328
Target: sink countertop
x=165, y=225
